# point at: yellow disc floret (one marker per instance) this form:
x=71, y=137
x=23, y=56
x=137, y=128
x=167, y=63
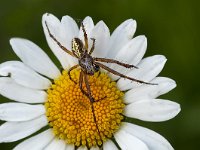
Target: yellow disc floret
x=70, y=114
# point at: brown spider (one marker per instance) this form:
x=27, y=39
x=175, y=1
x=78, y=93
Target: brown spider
x=89, y=65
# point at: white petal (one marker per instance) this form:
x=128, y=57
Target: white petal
x=153, y=140
x=70, y=27
x=102, y=35
x=82, y=148
x=127, y=141
x=95, y=148
x=34, y=56
x=13, y=131
x=152, y=110
x=149, y=68
x=150, y=91
x=121, y=35
x=89, y=25
x=23, y=75
x=37, y=142
x=56, y=144
x=130, y=53
x=20, y=111
x=64, y=32
x=71, y=31
x=10, y=89
x=109, y=145
x=69, y=147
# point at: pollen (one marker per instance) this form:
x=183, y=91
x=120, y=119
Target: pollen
x=70, y=112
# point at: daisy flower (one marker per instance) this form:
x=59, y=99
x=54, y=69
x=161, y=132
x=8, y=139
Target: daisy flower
x=47, y=100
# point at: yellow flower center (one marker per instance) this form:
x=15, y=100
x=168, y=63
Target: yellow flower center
x=70, y=114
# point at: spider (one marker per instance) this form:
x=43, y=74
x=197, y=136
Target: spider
x=90, y=65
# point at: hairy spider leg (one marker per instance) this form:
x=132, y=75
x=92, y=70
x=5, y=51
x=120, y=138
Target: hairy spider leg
x=88, y=94
x=93, y=45
x=81, y=84
x=69, y=72
x=85, y=36
x=107, y=60
x=59, y=44
x=91, y=101
x=121, y=75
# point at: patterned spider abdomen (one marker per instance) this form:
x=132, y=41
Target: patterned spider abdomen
x=77, y=47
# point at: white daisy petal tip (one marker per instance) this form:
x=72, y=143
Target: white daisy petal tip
x=66, y=17
x=12, y=40
x=142, y=38
x=49, y=18
x=87, y=19
x=102, y=26
x=121, y=36
x=20, y=111
x=20, y=93
x=70, y=26
x=101, y=33
x=135, y=49
x=130, y=26
x=24, y=75
x=155, y=110
x=46, y=15
x=102, y=23
x=28, y=51
x=160, y=58
x=99, y=27
x=14, y=131
x=88, y=24
x=149, y=68
x=163, y=85
x=166, y=85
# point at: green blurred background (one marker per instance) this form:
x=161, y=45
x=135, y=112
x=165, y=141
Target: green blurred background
x=171, y=27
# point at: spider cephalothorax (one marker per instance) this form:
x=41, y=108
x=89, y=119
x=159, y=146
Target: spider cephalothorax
x=87, y=64
x=85, y=60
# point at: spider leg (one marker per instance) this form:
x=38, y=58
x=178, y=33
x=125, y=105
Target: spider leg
x=69, y=72
x=91, y=102
x=85, y=93
x=88, y=88
x=121, y=75
x=93, y=46
x=82, y=90
x=100, y=99
x=107, y=60
x=59, y=44
x=81, y=84
x=85, y=36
